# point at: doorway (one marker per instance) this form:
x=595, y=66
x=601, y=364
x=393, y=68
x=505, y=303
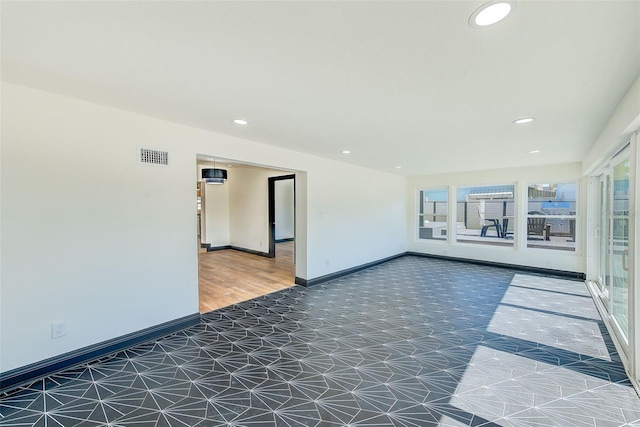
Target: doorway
x=282, y=214
x=237, y=261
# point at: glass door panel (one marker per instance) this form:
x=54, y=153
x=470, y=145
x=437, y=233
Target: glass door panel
x=605, y=218
x=599, y=237
x=619, y=247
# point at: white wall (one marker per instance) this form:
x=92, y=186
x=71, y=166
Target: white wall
x=343, y=204
x=217, y=212
x=519, y=254
x=94, y=238
x=302, y=209
x=284, y=200
x=624, y=120
x=89, y=235
x=214, y=215
x=249, y=207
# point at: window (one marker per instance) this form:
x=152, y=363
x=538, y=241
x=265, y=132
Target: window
x=551, y=216
x=432, y=218
x=486, y=215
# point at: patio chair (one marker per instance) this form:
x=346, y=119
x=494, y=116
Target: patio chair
x=536, y=226
x=486, y=223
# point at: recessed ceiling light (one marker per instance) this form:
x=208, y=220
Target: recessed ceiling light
x=533, y=152
x=240, y=122
x=490, y=13
x=398, y=167
x=346, y=151
x=229, y=166
x=523, y=120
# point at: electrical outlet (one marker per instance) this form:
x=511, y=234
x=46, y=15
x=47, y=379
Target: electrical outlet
x=260, y=242
x=326, y=263
x=58, y=329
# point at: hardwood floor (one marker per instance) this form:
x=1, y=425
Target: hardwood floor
x=227, y=277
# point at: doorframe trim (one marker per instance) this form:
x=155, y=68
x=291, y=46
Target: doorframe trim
x=272, y=210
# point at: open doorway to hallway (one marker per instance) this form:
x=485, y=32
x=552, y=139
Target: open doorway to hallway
x=243, y=254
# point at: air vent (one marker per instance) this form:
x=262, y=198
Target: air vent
x=154, y=157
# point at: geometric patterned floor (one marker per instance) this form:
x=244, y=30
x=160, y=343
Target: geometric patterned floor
x=412, y=342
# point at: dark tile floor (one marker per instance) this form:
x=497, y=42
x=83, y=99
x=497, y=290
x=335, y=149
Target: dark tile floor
x=413, y=342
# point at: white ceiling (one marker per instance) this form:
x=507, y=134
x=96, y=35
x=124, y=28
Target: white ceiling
x=398, y=83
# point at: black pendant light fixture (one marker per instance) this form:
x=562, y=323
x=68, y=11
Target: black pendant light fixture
x=214, y=176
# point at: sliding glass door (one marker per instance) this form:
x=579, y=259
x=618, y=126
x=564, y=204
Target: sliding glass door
x=611, y=241
x=619, y=246
x=613, y=252
x=601, y=235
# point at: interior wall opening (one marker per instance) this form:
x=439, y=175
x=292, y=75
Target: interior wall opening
x=246, y=232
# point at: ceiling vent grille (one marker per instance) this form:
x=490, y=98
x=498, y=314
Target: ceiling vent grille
x=154, y=157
